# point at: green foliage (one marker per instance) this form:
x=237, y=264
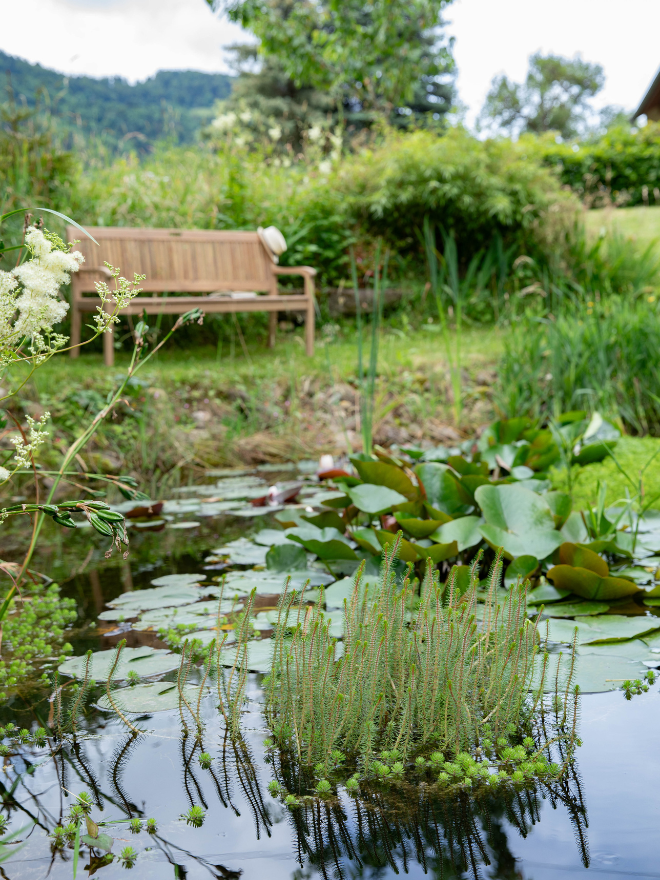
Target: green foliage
x=554, y=96
x=194, y=817
x=620, y=167
x=398, y=689
x=474, y=189
x=375, y=54
x=603, y=356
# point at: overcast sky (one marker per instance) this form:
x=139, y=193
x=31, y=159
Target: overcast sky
x=135, y=38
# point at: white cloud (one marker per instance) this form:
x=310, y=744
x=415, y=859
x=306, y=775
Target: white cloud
x=129, y=38
x=498, y=36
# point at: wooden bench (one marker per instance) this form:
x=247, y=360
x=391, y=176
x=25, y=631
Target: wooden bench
x=205, y=263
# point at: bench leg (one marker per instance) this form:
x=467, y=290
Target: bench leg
x=76, y=326
x=109, y=344
x=272, y=329
x=309, y=330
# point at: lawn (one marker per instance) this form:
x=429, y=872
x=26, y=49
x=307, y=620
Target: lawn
x=641, y=223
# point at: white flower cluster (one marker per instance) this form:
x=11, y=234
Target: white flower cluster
x=120, y=297
x=29, y=295
x=37, y=436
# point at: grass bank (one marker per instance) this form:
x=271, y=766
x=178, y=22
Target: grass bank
x=192, y=411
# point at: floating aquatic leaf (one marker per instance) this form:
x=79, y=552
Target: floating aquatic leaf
x=545, y=593
x=517, y=520
x=594, y=673
x=560, y=504
x=443, y=489
x=437, y=552
x=178, y=580
x=418, y=528
x=243, y=552
x=575, y=609
x=605, y=628
x=520, y=569
x=367, y=539
x=143, y=699
x=380, y=473
x=260, y=655
x=584, y=557
x=464, y=530
x=407, y=551
x=590, y=585
x=574, y=529
x=286, y=557
x=633, y=649
x=326, y=519
x=145, y=661
x=184, y=525
x=375, y=499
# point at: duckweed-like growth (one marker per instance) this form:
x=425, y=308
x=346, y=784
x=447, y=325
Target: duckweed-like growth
x=434, y=686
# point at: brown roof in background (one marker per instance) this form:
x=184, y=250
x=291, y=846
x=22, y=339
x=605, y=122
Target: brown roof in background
x=650, y=105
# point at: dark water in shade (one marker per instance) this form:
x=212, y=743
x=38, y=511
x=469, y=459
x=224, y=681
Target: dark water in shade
x=249, y=834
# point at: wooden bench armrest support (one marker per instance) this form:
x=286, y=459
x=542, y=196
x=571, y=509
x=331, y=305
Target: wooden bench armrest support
x=308, y=274
x=102, y=270
x=295, y=270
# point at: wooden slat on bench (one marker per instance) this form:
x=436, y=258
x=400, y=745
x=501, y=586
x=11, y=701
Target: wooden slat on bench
x=176, y=305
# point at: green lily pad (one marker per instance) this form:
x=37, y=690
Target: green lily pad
x=437, y=552
x=286, y=557
x=326, y=519
x=178, y=580
x=443, y=488
x=270, y=537
x=260, y=655
x=375, y=499
x=243, y=552
x=367, y=539
x=546, y=593
x=144, y=699
x=594, y=673
x=605, y=628
x=583, y=557
x=102, y=841
x=518, y=520
x=575, y=609
x=380, y=473
x=418, y=528
x=633, y=649
x=589, y=585
x=520, y=569
x=145, y=661
x=325, y=543
x=560, y=504
x=464, y=530
x=574, y=529
x=407, y=551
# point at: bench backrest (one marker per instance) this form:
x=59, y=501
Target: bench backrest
x=177, y=260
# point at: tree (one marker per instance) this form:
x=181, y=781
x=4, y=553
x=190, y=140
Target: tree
x=377, y=56
x=554, y=97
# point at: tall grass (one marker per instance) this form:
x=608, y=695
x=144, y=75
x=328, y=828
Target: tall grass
x=604, y=357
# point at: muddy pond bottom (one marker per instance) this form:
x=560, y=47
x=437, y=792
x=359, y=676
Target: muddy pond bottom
x=605, y=826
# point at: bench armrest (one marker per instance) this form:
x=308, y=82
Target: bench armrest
x=305, y=271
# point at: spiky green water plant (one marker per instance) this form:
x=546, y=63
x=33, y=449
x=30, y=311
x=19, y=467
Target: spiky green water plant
x=415, y=676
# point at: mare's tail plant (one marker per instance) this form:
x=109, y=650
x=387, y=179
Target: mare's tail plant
x=111, y=691
x=449, y=677
x=231, y=686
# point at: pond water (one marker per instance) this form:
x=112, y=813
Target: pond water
x=600, y=822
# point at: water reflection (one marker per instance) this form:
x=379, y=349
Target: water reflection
x=407, y=829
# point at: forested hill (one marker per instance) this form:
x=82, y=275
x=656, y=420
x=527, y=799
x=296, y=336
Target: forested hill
x=173, y=103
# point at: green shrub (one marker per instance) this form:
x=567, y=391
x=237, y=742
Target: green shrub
x=477, y=189
x=623, y=166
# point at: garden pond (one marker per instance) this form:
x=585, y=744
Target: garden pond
x=216, y=817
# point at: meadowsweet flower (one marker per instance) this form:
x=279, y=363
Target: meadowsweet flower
x=121, y=296
x=275, y=133
x=224, y=121
x=315, y=133
x=36, y=436
x=4, y=475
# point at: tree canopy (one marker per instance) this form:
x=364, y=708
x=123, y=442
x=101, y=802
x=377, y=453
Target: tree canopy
x=380, y=56
x=554, y=97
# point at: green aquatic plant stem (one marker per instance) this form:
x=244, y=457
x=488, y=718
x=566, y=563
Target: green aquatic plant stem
x=108, y=691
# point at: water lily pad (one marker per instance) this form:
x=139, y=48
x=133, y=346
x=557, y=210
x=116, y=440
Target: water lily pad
x=375, y=499
x=574, y=529
x=325, y=543
x=575, y=609
x=131, y=604
x=189, y=524
x=560, y=504
x=546, y=593
x=145, y=661
x=326, y=519
x=260, y=655
x=270, y=537
x=444, y=490
x=605, y=628
x=380, y=473
x=590, y=585
x=178, y=580
x=633, y=649
x=144, y=699
x=594, y=673
x=464, y=530
x=243, y=552
x=286, y=557
x=520, y=569
x=437, y=552
x=517, y=520
x=418, y=528
x=407, y=552
x=367, y=539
